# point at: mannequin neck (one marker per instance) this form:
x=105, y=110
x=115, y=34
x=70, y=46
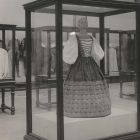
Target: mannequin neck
x=83, y=31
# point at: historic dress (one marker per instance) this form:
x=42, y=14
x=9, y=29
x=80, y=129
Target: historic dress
x=86, y=92
x=4, y=67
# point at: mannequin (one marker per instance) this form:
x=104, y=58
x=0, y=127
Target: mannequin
x=86, y=91
x=4, y=68
x=10, y=54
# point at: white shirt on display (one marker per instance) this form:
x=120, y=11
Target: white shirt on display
x=4, y=68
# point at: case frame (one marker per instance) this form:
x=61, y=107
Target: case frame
x=123, y=7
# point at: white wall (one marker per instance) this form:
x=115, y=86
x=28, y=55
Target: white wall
x=12, y=12
x=122, y=21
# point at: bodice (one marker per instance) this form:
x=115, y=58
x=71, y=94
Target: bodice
x=85, y=46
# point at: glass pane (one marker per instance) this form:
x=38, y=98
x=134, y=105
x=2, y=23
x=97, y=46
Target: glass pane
x=7, y=55
x=44, y=75
x=97, y=105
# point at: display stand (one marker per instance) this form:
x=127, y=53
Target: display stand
x=127, y=77
x=8, y=84
x=44, y=82
x=74, y=126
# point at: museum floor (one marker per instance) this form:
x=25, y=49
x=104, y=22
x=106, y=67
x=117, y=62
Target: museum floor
x=13, y=127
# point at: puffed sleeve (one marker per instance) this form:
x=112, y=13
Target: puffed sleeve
x=97, y=52
x=70, y=50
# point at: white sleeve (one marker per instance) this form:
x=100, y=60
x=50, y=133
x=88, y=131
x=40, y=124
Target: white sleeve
x=70, y=51
x=97, y=52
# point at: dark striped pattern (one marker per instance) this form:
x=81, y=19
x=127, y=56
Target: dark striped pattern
x=85, y=69
x=85, y=49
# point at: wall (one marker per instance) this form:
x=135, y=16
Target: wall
x=12, y=12
x=122, y=22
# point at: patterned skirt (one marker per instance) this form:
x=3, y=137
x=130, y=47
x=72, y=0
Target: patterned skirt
x=86, y=92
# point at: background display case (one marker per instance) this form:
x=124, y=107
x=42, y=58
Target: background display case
x=123, y=122
x=7, y=61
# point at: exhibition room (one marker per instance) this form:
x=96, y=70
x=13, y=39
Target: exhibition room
x=69, y=70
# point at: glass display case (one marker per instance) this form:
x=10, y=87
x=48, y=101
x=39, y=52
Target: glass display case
x=7, y=64
x=79, y=103
x=8, y=42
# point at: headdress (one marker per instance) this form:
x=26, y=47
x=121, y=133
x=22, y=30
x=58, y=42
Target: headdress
x=82, y=22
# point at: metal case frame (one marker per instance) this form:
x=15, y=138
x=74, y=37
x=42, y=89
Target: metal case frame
x=123, y=7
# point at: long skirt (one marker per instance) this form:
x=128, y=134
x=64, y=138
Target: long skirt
x=86, y=92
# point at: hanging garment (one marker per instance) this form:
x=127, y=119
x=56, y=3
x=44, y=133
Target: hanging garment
x=113, y=64
x=10, y=62
x=86, y=92
x=4, y=68
x=124, y=53
x=131, y=54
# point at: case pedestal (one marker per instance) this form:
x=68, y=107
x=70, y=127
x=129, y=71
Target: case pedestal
x=119, y=122
x=8, y=86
